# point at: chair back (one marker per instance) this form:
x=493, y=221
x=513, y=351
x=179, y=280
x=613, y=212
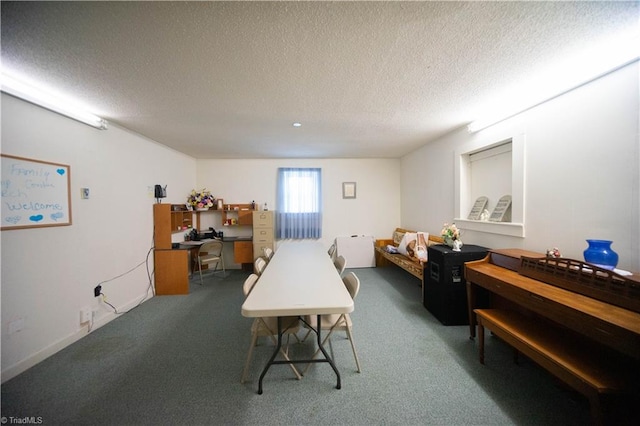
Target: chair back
x=268, y=253
x=249, y=283
x=210, y=252
x=340, y=263
x=352, y=282
x=260, y=264
x=211, y=248
x=331, y=250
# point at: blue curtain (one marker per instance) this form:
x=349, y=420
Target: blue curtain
x=299, y=203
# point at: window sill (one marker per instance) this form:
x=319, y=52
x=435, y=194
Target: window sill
x=502, y=228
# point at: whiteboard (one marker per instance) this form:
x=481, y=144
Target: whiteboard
x=358, y=250
x=34, y=193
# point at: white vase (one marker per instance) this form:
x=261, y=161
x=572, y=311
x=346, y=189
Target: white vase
x=448, y=241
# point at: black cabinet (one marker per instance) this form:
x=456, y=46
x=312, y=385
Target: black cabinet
x=445, y=291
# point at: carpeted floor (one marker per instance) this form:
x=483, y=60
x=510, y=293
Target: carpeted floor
x=178, y=360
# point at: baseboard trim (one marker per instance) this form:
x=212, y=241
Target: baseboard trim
x=25, y=364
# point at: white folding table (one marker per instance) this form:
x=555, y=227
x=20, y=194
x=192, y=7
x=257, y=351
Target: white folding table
x=299, y=280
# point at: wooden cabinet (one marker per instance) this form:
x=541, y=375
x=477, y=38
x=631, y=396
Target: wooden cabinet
x=263, y=233
x=232, y=215
x=242, y=252
x=238, y=214
x=171, y=271
x=181, y=218
x=245, y=252
x=169, y=219
x=162, y=226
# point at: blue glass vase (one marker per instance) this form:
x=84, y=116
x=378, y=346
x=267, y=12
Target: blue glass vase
x=599, y=253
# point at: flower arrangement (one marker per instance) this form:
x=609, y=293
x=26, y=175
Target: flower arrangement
x=451, y=236
x=201, y=200
x=450, y=232
x=554, y=253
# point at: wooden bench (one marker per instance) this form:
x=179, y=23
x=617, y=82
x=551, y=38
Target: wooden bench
x=384, y=258
x=576, y=361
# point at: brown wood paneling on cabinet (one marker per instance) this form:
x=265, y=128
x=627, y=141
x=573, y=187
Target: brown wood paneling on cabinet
x=240, y=213
x=245, y=217
x=171, y=272
x=243, y=252
x=162, y=226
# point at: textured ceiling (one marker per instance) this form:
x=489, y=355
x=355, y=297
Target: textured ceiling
x=228, y=79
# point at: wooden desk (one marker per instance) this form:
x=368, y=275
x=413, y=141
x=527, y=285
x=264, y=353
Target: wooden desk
x=242, y=249
x=193, y=247
x=299, y=280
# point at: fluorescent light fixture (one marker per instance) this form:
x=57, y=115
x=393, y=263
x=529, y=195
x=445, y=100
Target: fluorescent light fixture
x=50, y=101
x=576, y=71
x=296, y=124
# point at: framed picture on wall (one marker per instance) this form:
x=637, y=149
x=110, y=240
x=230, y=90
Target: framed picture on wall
x=348, y=190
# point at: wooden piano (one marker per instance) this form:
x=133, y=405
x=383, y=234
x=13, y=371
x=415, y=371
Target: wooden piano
x=578, y=321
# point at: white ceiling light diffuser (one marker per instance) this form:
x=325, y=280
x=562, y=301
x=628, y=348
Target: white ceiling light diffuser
x=50, y=101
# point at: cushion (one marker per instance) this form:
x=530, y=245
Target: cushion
x=391, y=249
x=422, y=239
x=397, y=237
x=414, y=245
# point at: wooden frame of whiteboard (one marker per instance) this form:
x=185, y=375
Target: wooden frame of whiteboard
x=66, y=193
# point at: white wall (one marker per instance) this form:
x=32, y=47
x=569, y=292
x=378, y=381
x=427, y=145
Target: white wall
x=582, y=181
x=582, y=172
x=375, y=211
x=48, y=274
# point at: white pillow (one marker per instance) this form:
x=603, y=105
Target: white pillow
x=422, y=239
x=414, y=245
x=407, y=243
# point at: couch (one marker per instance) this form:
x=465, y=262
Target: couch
x=385, y=258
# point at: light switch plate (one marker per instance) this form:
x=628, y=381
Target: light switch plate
x=84, y=193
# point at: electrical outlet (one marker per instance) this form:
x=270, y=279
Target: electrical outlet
x=97, y=290
x=85, y=315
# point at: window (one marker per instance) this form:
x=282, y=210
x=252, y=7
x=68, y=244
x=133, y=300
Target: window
x=490, y=174
x=299, y=206
x=493, y=170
